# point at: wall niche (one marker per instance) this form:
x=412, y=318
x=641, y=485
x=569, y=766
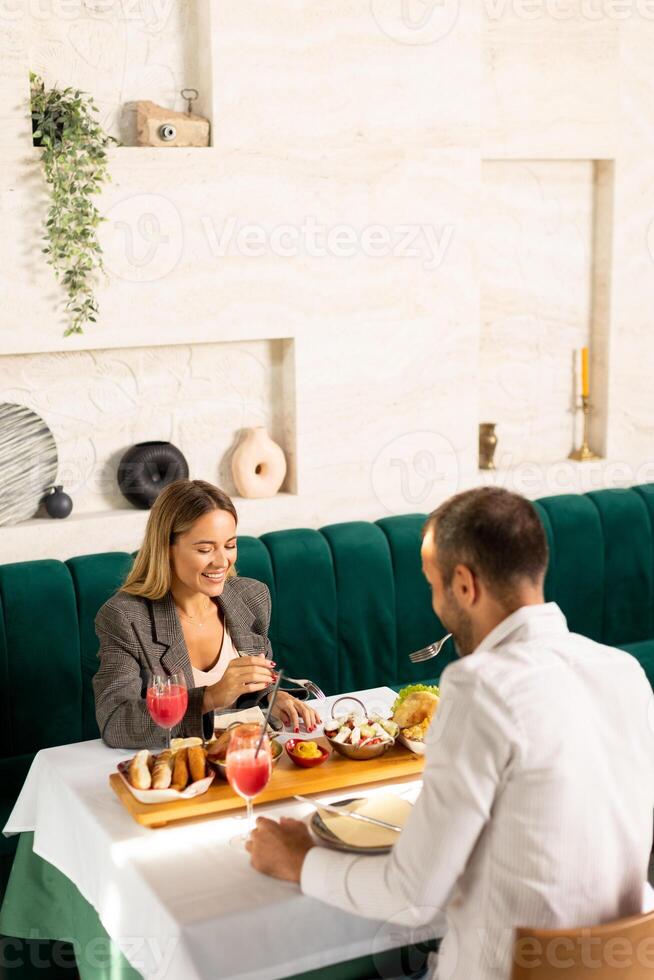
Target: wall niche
x=545, y=291
x=121, y=53
x=196, y=396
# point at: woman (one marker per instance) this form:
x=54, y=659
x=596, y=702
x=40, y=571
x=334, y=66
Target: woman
x=183, y=609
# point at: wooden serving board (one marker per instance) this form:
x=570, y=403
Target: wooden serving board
x=286, y=780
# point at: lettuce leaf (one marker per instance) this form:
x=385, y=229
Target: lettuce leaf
x=411, y=689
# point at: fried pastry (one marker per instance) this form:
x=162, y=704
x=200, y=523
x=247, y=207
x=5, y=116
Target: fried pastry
x=139, y=774
x=415, y=708
x=180, y=770
x=220, y=744
x=162, y=773
x=197, y=762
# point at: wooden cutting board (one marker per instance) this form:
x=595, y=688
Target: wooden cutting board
x=286, y=780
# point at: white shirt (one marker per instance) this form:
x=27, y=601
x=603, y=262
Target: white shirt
x=536, y=806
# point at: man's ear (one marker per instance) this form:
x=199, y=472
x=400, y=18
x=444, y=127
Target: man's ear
x=465, y=585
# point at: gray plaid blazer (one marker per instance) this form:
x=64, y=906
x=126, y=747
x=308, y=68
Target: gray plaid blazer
x=140, y=635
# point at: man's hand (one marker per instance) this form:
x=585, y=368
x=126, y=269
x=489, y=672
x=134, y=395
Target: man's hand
x=279, y=849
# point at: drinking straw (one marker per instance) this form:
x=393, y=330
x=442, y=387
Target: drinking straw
x=271, y=703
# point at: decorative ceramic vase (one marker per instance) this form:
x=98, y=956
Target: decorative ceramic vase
x=147, y=468
x=258, y=464
x=28, y=462
x=487, y=445
x=58, y=504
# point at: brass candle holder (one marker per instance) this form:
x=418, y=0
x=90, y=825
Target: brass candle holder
x=584, y=453
x=487, y=445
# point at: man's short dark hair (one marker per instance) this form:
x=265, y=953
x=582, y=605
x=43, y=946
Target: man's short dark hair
x=495, y=533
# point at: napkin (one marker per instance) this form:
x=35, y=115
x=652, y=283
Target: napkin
x=247, y=716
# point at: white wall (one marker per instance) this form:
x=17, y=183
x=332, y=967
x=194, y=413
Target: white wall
x=341, y=120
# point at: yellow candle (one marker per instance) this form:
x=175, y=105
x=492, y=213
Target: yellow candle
x=585, y=387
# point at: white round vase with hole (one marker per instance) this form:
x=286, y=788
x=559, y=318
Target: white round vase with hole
x=258, y=464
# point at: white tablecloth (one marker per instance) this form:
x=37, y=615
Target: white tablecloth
x=180, y=902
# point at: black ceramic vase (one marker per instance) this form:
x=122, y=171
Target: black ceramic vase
x=147, y=468
x=58, y=503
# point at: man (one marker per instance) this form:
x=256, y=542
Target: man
x=538, y=788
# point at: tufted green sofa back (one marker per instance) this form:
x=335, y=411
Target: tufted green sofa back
x=601, y=569
x=349, y=604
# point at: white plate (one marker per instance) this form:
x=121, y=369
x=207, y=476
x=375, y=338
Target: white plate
x=411, y=743
x=326, y=837
x=165, y=795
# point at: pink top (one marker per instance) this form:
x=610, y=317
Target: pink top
x=205, y=678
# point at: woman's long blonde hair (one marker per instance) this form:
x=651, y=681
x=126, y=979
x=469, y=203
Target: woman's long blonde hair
x=176, y=509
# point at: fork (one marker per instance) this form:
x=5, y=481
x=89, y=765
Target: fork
x=419, y=656
x=309, y=686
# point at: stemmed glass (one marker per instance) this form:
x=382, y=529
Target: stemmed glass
x=248, y=774
x=167, y=701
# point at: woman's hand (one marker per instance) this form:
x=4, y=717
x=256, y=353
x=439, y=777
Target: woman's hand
x=243, y=676
x=291, y=712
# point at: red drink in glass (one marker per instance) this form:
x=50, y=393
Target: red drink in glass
x=167, y=707
x=248, y=766
x=248, y=775
x=167, y=700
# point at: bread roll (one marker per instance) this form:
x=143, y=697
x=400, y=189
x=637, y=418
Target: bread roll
x=162, y=774
x=185, y=743
x=180, y=770
x=415, y=708
x=138, y=773
x=220, y=744
x=197, y=763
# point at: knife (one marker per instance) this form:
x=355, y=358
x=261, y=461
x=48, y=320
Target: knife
x=349, y=813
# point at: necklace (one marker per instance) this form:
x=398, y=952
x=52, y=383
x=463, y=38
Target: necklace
x=193, y=619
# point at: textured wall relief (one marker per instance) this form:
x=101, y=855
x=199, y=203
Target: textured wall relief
x=98, y=403
x=119, y=52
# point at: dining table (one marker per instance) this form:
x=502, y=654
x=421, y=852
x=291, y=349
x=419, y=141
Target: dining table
x=179, y=902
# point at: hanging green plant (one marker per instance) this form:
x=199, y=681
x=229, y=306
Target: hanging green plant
x=73, y=152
